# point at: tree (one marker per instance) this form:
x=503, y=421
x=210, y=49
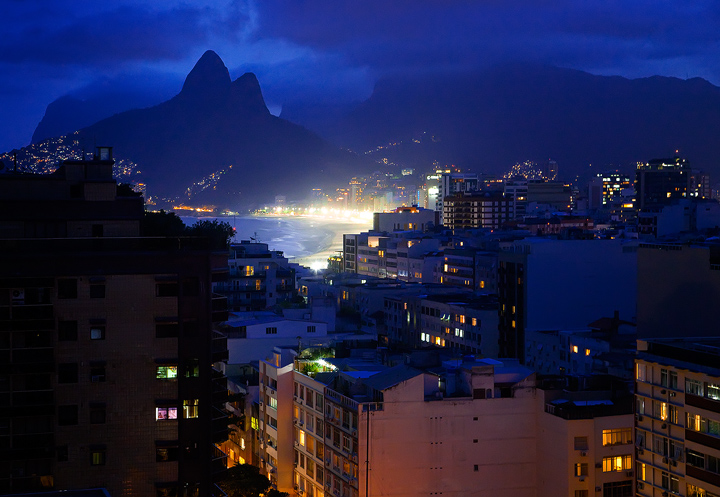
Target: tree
x=219, y=232
x=161, y=224
x=245, y=480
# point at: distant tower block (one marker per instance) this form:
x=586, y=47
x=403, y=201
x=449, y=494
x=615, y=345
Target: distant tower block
x=551, y=170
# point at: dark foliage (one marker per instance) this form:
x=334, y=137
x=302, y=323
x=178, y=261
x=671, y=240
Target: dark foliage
x=245, y=480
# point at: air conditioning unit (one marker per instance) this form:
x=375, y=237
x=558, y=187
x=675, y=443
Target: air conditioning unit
x=354, y=433
x=628, y=474
x=639, y=417
x=295, y=487
x=583, y=454
x=674, y=462
x=673, y=394
x=295, y=421
x=582, y=478
x=665, y=460
x=640, y=485
x=641, y=451
x=17, y=295
x=663, y=391
x=261, y=403
x=664, y=426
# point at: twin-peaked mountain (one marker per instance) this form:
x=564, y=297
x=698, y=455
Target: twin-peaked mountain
x=217, y=138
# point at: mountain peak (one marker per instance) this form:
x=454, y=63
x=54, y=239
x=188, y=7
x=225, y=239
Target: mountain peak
x=246, y=93
x=209, y=74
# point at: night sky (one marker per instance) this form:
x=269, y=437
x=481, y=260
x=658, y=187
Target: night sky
x=330, y=51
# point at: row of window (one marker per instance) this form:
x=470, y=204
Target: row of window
x=669, y=379
x=69, y=372
x=68, y=288
x=609, y=464
x=190, y=409
x=164, y=328
x=165, y=451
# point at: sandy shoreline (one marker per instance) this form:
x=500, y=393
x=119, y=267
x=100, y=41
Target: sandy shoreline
x=307, y=240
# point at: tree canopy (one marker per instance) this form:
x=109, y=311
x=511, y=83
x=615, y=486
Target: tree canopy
x=168, y=224
x=245, y=480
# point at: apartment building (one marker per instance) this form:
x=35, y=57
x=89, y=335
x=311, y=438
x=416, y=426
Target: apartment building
x=677, y=429
x=476, y=210
x=109, y=370
x=258, y=278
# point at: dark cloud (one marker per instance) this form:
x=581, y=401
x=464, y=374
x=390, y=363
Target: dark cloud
x=333, y=50
x=125, y=33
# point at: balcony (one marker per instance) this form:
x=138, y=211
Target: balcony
x=218, y=308
x=219, y=348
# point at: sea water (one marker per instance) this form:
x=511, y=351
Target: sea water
x=307, y=240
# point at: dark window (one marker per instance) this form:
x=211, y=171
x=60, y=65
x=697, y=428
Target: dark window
x=97, y=230
x=62, y=453
x=97, y=332
x=192, y=368
x=190, y=328
x=97, y=291
x=97, y=372
x=67, y=288
x=97, y=413
x=166, y=451
x=618, y=489
x=476, y=467
x=166, y=491
x=166, y=289
x=166, y=330
x=67, y=331
x=311, y=329
x=191, y=287
x=67, y=415
x=68, y=372
x=76, y=191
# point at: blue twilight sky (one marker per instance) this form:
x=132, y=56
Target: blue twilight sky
x=329, y=51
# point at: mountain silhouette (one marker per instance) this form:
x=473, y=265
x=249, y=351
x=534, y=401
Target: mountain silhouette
x=217, y=139
x=489, y=120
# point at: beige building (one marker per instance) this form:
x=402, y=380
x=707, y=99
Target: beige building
x=678, y=417
x=474, y=428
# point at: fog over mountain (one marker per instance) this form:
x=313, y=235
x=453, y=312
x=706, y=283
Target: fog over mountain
x=491, y=119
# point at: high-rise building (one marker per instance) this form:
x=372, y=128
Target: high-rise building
x=476, y=210
x=454, y=183
x=661, y=181
x=107, y=343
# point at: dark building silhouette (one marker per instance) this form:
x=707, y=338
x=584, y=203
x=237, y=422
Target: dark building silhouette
x=662, y=181
x=106, y=342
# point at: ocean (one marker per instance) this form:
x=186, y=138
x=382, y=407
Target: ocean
x=307, y=240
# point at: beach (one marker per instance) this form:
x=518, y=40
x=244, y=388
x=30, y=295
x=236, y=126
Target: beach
x=308, y=239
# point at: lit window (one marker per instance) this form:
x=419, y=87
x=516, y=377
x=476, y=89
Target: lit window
x=166, y=372
x=254, y=423
x=617, y=463
x=191, y=408
x=474, y=321
x=249, y=271
x=97, y=333
x=575, y=349
x=97, y=456
x=581, y=469
x=301, y=438
x=587, y=351
x=258, y=284
x=164, y=413
x=617, y=436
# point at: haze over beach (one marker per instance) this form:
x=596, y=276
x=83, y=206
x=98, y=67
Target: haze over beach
x=307, y=240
